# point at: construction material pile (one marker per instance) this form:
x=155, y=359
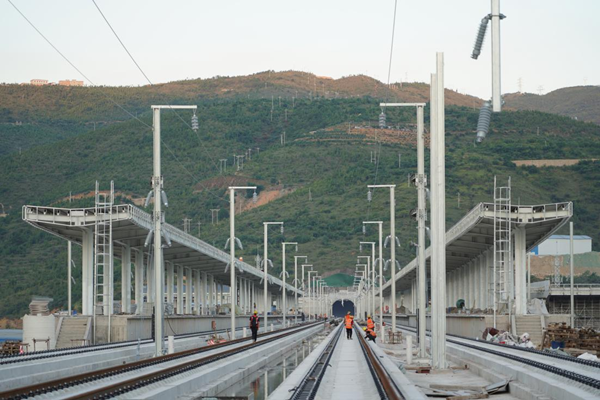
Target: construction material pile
x=504, y=337
x=39, y=306
x=561, y=335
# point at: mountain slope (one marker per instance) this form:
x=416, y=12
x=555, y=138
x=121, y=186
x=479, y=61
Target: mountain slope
x=335, y=172
x=581, y=102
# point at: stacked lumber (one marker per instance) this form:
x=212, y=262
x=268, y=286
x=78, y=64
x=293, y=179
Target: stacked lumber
x=580, y=339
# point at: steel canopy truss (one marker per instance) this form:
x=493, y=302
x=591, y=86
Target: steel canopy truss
x=130, y=226
x=474, y=234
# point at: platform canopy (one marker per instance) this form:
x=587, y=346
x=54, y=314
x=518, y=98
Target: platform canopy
x=130, y=226
x=474, y=235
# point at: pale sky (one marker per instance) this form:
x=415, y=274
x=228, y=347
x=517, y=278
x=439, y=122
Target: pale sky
x=546, y=43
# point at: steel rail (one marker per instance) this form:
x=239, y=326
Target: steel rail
x=589, y=363
x=385, y=385
x=52, y=353
x=308, y=388
x=71, y=381
x=586, y=380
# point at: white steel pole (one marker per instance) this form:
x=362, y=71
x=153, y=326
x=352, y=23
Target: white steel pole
x=381, y=276
x=438, y=226
x=232, y=282
x=496, y=90
x=572, y=267
x=266, y=312
x=373, y=280
x=296, y=286
x=69, y=276
x=157, y=184
x=393, y=252
x=283, y=284
x=421, y=231
x=528, y=277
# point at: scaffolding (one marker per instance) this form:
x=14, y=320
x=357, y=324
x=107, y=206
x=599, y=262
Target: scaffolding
x=103, y=256
x=502, y=268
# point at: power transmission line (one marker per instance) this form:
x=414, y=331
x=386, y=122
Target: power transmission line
x=111, y=99
x=149, y=81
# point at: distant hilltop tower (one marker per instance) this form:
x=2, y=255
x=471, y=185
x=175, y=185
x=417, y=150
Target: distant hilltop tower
x=382, y=120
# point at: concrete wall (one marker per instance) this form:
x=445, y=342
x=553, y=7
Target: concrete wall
x=133, y=327
x=464, y=325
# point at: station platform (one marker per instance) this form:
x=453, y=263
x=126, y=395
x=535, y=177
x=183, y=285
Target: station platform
x=350, y=379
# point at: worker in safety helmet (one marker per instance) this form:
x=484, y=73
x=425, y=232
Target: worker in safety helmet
x=349, y=320
x=370, y=323
x=370, y=334
x=254, y=325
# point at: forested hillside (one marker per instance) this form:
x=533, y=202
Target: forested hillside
x=334, y=170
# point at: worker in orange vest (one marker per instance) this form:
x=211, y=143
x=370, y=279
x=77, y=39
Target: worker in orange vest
x=370, y=323
x=349, y=320
x=371, y=335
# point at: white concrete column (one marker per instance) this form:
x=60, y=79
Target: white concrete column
x=197, y=295
x=481, y=266
x=87, y=272
x=471, y=277
x=220, y=294
x=139, y=280
x=126, y=280
x=180, y=289
x=520, y=272
x=211, y=293
x=489, y=278
x=188, y=290
x=170, y=282
x=203, y=293
x=150, y=276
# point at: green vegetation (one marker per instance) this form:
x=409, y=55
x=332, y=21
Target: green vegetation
x=328, y=227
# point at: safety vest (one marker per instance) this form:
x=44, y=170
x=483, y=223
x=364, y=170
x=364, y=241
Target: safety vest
x=254, y=322
x=370, y=323
x=371, y=332
x=349, y=320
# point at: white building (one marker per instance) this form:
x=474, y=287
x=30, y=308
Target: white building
x=560, y=245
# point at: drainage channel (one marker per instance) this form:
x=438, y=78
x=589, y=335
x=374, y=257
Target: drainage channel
x=262, y=383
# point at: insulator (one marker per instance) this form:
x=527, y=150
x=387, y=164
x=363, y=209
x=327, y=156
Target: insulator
x=483, y=124
x=195, y=122
x=360, y=247
x=369, y=196
x=480, y=36
x=254, y=197
x=147, y=202
x=414, y=213
x=282, y=229
x=364, y=230
x=149, y=237
x=163, y=195
x=382, y=120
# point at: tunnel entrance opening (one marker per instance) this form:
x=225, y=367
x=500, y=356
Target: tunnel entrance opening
x=341, y=307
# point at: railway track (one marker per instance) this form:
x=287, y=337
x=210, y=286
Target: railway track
x=509, y=353
x=385, y=385
x=101, y=379
x=589, y=363
x=53, y=353
x=309, y=386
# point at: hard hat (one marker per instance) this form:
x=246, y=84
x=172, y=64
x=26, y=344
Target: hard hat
x=368, y=316
x=255, y=312
x=348, y=313
x=364, y=329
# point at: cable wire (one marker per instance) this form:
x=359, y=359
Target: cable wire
x=150, y=82
x=112, y=100
x=386, y=97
